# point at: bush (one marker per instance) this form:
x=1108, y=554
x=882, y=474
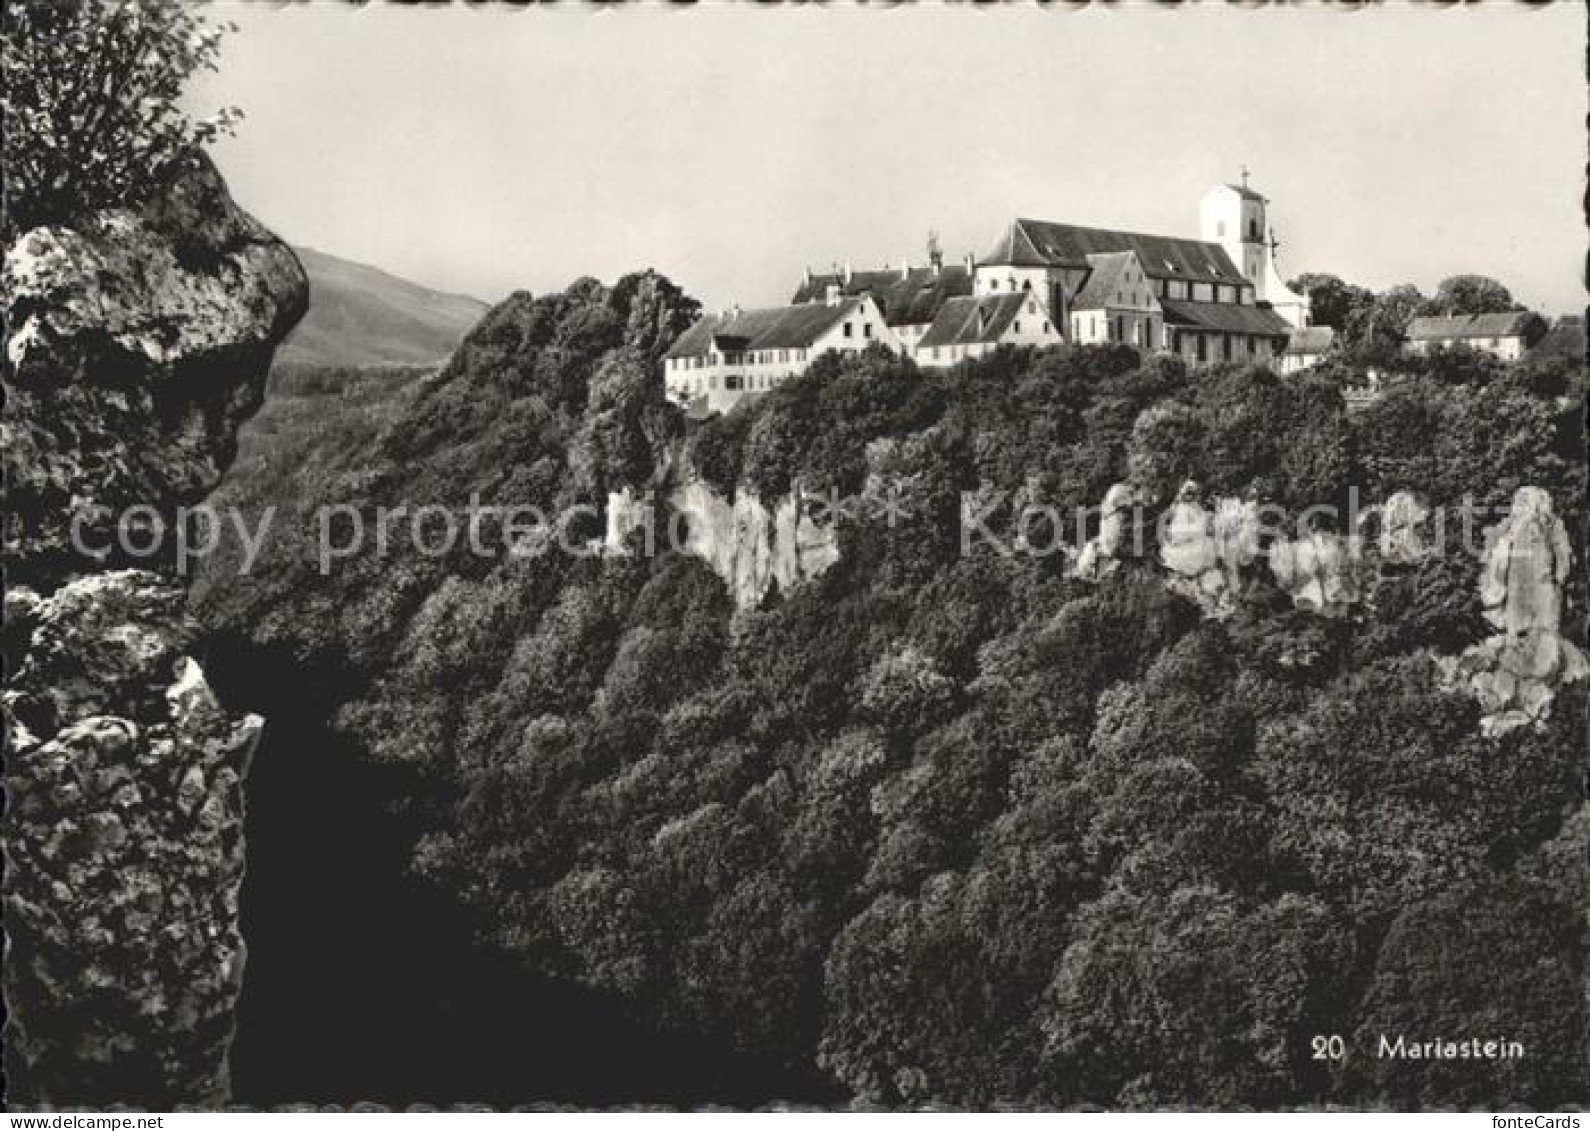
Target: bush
x=91, y=102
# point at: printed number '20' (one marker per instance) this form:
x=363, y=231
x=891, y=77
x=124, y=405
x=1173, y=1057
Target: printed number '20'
x=1329, y=1048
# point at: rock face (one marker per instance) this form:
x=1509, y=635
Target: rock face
x=751, y=547
x=1515, y=674
x=124, y=853
x=1100, y=557
x=1402, y=537
x=137, y=342
x=1319, y=571
x=1206, y=551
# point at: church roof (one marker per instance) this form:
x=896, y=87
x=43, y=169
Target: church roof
x=1041, y=243
x=906, y=297
x=1450, y=327
x=777, y=327
x=969, y=319
x=1227, y=317
x=1105, y=282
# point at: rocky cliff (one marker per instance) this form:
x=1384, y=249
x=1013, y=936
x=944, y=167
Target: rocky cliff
x=752, y=546
x=137, y=341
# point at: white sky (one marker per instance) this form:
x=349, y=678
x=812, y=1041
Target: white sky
x=730, y=145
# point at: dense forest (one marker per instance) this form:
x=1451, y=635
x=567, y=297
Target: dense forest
x=954, y=828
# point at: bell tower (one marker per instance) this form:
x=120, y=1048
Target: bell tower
x=1234, y=217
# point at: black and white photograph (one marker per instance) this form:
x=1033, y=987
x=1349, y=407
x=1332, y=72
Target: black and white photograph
x=800, y=557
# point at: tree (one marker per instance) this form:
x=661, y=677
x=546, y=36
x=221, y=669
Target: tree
x=90, y=102
x=1470, y=294
x=1374, y=334
x=1331, y=301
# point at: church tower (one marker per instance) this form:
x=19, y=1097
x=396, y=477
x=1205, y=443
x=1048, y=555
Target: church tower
x=1233, y=216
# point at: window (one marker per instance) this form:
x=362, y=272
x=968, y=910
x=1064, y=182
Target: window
x=1253, y=228
x=1202, y=346
x=1018, y=325
x=866, y=329
x=847, y=329
x=1120, y=328
x=1027, y=286
x=1226, y=345
x=732, y=381
x=1046, y=328
x=712, y=381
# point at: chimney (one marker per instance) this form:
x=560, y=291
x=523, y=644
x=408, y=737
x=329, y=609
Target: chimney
x=847, y=274
x=905, y=268
x=971, y=263
x=808, y=275
x=831, y=297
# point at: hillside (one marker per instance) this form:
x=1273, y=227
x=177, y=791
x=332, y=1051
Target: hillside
x=362, y=316
x=939, y=824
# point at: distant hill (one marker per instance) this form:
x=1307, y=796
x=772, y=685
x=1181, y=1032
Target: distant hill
x=363, y=316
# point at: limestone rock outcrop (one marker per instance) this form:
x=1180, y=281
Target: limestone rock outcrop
x=1515, y=674
x=1402, y=538
x=124, y=853
x=751, y=546
x=137, y=341
x=1319, y=571
x=1205, y=551
x=1100, y=557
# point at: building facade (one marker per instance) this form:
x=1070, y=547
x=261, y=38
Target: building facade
x=1507, y=336
x=726, y=357
x=971, y=325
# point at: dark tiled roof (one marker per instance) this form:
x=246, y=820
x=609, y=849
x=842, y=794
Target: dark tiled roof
x=1104, y=282
x=1310, y=340
x=966, y=319
x=778, y=327
x=906, y=298
x=1225, y=316
x=1039, y=243
x=1436, y=328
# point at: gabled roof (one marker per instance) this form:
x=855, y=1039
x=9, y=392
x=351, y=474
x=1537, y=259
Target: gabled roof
x=778, y=327
x=968, y=319
x=1226, y=317
x=1448, y=327
x=1040, y=243
x=906, y=297
x=1310, y=340
x=1106, y=281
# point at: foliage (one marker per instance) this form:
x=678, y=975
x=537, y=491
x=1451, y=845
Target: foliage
x=956, y=828
x=91, y=101
x=1470, y=294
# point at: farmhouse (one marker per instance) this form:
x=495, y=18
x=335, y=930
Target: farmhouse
x=1507, y=336
x=727, y=356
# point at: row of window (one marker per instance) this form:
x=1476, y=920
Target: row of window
x=732, y=382
x=1164, y=288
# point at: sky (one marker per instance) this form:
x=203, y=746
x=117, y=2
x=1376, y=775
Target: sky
x=731, y=145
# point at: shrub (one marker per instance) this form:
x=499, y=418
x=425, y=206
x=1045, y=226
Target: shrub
x=91, y=102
